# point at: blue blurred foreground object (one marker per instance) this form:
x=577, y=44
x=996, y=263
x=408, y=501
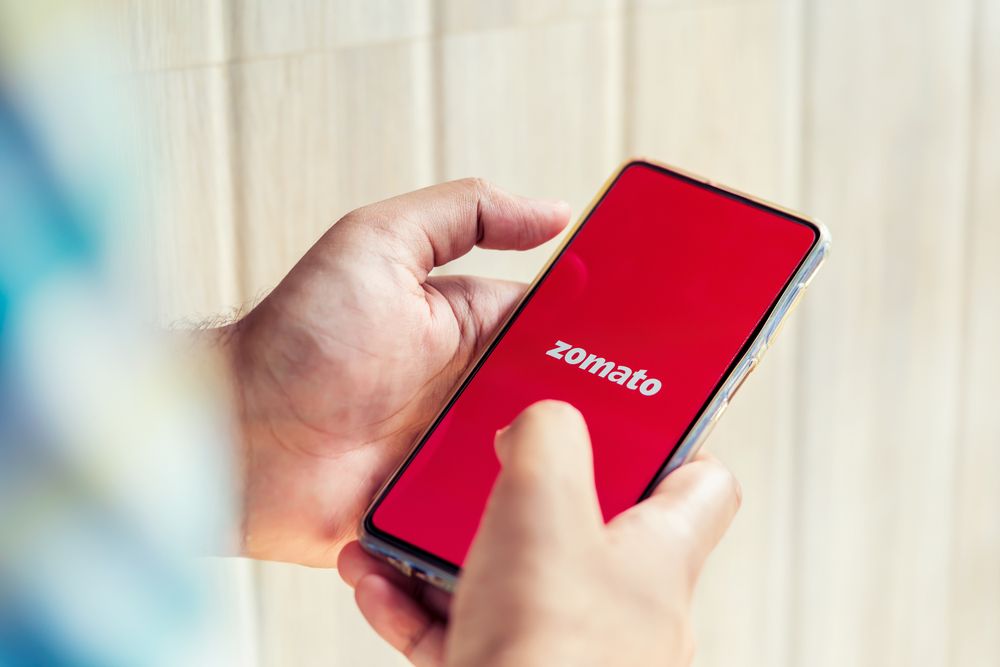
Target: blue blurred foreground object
x=112, y=455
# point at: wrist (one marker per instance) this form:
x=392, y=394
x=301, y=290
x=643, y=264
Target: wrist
x=264, y=530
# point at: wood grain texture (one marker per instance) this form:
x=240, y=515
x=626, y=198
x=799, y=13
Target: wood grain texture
x=975, y=604
x=308, y=617
x=164, y=34
x=886, y=120
x=459, y=16
x=261, y=28
x=232, y=598
x=710, y=94
x=186, y=187
x=534, y=108
x=708, y=91
x=320, y=134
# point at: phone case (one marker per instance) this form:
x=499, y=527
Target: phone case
x=414, y=565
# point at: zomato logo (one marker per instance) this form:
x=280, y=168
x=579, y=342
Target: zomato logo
x=576, y=356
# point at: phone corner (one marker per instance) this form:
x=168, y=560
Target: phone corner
x=635, y=161
x=825, y=240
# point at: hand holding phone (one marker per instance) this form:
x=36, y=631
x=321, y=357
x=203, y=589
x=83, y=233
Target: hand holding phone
x=545, y=579
x=345, y=362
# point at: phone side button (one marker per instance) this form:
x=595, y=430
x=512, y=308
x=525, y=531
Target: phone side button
x=431, y=579
x=739, y=383
x=764, y=347
x=718, y=412
x=800, y=290
x=400, y=565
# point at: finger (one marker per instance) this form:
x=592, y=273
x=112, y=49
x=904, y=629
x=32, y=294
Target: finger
x=354, y=563
x=686, y=515
x=433, y=226
x=400, y=621
x=479, y=305
x=546, y=482
x=543, y=508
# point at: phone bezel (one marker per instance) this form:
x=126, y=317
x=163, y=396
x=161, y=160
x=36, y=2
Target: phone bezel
x=442, y=573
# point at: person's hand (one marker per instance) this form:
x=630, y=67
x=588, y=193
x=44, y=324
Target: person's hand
x=546, y=582
x=346, y=361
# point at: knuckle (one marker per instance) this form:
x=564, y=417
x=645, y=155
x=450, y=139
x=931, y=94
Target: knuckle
x=356, y=216
x=475, y=189
x=482, y=192
x=477, y=184
x=359, y=223
x=474, y=192
x=351, y=217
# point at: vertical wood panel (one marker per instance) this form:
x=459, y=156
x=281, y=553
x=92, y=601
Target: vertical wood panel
x=708, y=90
x=320, y=134
x=461, y=16
x=186, y=190
x=886, y=121
x=262, y=28
x=308, y=617
x=711, y=93
x=231, y=593
x=975, y=604
x=533, y=106
x=163, y=34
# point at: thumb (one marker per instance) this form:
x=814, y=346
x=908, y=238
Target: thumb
x=545, y=490
x=435, y=225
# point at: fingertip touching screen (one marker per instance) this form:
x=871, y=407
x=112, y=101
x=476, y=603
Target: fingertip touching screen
x=636, y=323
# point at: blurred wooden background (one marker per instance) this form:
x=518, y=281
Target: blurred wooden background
x=868, y=444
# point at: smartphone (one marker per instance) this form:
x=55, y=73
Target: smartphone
x=658, y=305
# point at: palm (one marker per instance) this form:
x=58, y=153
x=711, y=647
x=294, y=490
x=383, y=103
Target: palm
x=354, y=352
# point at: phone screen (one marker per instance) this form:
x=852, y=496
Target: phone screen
x=639, y=319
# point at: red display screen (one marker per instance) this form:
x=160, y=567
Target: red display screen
x=636, y=323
